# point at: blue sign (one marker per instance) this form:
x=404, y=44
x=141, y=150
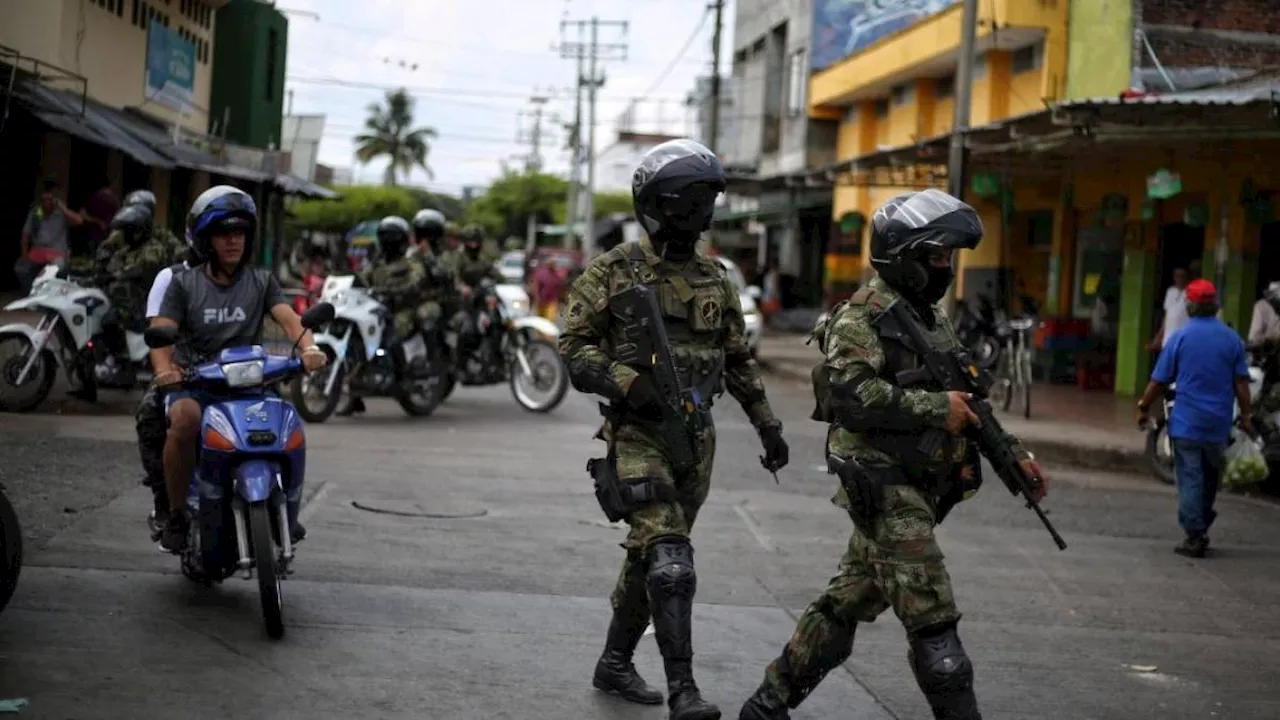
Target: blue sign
x=171, y=68
x=844, y=27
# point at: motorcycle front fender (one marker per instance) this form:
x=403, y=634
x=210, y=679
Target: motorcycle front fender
x=539, y=325
x=38, y=340
x=256, y=479
x=338, y=345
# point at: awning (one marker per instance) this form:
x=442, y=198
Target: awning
x=85, y=119
x=293, y=185
x=184, y=156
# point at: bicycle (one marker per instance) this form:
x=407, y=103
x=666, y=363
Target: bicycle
x=1013, y=373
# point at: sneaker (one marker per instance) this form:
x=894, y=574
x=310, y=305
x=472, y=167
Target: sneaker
x=1192, y=547
x=174, y=536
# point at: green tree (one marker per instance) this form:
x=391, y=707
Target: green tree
x=447, y=204
x=389, y=133
x=358, y=204
x=506, y=204
x=611, y=203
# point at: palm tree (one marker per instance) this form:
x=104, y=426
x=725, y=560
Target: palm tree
x=388, y=133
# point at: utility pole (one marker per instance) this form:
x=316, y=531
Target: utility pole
x=575, y=138
x=958, y=158
x=593, y=53
x=714, y=111
x=533, y=163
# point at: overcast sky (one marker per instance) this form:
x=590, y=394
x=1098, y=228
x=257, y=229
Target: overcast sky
x=477, y=64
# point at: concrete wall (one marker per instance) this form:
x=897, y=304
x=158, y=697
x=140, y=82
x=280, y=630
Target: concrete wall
x=107, y=47
x=753, y=76
x=1101, y=38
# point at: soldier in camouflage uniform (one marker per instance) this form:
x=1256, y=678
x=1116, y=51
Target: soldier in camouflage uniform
x=674, y=191
x=401, y=279
x=438, y=299
x=901, y=492
x=145, y=198
x=450, y=253
x=128, y=262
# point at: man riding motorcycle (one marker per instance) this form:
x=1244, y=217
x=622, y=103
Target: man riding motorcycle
x=438, y=291
x=128, y=263
x=472, y=269
x=176, y=246
x=219, y=304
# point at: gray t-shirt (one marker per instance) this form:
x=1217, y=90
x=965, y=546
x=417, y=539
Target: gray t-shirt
x=50, y=232
x=212, y=317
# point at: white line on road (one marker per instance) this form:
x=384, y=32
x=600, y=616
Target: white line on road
x=754, y=528
x=314, y=500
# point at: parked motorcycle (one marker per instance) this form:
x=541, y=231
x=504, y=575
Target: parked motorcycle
x=247, y=487
x=1160, y=445
x=981, y=331
x=67, y=336
x=498, y=347
x=10, y=550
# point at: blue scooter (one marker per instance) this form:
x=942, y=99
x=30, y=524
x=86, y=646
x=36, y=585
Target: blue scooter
x=247, y=487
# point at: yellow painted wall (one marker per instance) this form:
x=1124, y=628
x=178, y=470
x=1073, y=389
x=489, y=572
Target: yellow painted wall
x=108, y=50
x=943, y=113
x=922, y=42
x=1024, y=92
x=901, y=124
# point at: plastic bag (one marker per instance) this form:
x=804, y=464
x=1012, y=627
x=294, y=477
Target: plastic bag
x=1245, y=464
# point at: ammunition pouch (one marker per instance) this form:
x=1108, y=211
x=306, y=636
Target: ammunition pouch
x=864, y=488
x=618, y=499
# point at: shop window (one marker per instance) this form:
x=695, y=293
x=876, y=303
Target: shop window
x=797, y=78
x=882, y=108
x=1035, y=229
x=1027, y=59
x=900, y=94
x=1099, y=261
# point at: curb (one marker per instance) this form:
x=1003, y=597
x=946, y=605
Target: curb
x=1050, y=452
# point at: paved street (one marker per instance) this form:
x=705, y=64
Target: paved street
x=482, y=592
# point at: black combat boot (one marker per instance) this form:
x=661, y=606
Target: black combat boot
x=672, y=584
x=615, y=673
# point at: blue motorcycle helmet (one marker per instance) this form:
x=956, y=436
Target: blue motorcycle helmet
x=221, y=208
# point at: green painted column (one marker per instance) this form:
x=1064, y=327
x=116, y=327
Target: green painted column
x=1137, y=289
x=1237, y=296
x=1054, y=286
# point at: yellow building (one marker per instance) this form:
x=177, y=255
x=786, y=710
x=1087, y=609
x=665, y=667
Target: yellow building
x=898, y=91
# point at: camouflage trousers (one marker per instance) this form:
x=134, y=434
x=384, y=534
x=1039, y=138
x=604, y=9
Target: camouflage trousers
x=900, y=568
x=641, y=457
x=423, y=315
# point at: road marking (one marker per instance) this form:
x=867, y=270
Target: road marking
x=754, y=528
x=314, y=500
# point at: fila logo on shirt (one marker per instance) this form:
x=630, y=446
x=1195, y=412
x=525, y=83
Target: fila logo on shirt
x=219, y=316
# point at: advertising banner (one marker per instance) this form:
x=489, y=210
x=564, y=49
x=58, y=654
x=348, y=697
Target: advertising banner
x=171, y=68
x=844, y=27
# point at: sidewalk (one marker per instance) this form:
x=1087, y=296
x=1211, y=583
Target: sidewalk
x=1092, y=430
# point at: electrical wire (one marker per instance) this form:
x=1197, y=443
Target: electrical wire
x=697, y=31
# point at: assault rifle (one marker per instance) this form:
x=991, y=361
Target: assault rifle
x=649, y=350
x=953, y=370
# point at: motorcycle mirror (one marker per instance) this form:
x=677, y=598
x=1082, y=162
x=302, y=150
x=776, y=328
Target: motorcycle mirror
x=318, y=315
x=160, y=337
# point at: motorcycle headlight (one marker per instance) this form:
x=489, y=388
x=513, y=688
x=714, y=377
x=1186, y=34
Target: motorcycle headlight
x=243, y=374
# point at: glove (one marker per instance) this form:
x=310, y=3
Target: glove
x=776, y=452
x=643, y=399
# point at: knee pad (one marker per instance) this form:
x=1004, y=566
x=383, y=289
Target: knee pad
x=671, y=573
x=941, y=666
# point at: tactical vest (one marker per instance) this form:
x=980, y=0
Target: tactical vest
x=897, y=358
x=692, y=305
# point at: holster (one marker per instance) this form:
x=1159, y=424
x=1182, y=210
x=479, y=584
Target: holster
x=856, y=479
x=618, y=499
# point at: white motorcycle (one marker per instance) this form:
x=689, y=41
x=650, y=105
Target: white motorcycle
x=67, y=336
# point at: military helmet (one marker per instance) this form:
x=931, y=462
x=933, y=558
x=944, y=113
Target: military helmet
x=145, y=198
x=429, y=223
x=134, y=222
x=914, y=237
x=675, y=187
x=393, y=236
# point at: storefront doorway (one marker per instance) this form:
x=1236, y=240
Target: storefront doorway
x=1268, y=257
x=1181, y=246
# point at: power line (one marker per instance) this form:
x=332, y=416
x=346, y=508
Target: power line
x=702, y=21
x=461, y=92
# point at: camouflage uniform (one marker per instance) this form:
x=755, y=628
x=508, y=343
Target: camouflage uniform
x=705, y=324
x=901, y=566
x=437, y=289
x=470, y=271
x=402, y=280
x=132, y=270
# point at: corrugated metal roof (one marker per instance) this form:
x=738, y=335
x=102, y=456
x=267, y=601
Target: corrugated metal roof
x=1263, y=87
x=85, y=119
x=294, y=185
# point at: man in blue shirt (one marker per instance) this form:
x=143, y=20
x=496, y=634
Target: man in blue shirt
x=1207, y=361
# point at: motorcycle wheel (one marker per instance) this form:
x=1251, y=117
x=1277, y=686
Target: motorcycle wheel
x=447, y=386
x=558, y=381
x=299, y=385
x=425, y=400
x=987, y=351
x=1161, y=463
x=39, y=380
x=10, y=551
x=264, y=558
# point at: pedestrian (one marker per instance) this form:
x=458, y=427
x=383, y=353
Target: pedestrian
x=1206, y=359
x=910, y=464
x=1175, y=310
x=674, y=191
x=1264, y=325
x=45, y=235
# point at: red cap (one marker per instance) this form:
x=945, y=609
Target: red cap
x=1199, y=291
